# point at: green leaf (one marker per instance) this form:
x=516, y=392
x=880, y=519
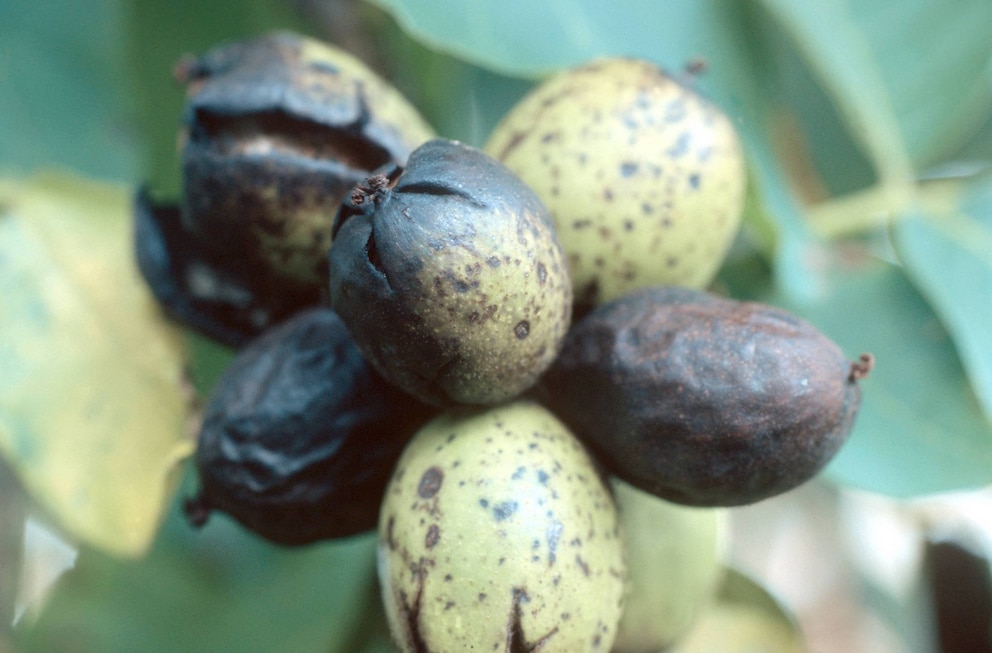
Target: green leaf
x=979, y=145
x=904, y=104
x=841, y=55
x=432, y=79
x=158, y=33
x=949, y=257
x=88, y=84
x=940, y=92
x=92, y=410
x=796, y=249
x=62, y=95
x=809, y=131
x=920, y=429
x=207, y=361
x=532, y=39
x=215, y=590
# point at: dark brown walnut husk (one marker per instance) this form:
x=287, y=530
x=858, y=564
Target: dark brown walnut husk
x=299, y=436
x=703, y=400
x=450, y=277
x=276, y=131
x=193, y=289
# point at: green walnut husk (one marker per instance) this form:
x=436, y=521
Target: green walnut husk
x=703, y=400
x=497, y=533
x=674, y=567
x=277, y=130
x=450, y=277
x=644, y=177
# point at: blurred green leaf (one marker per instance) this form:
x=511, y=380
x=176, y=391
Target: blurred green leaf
x=920, y=429
x=815, y=134
x=934, y=58
x=906, y=105
x=216, y=590
x=842, y=57
x=372, y=633
x=796, y=250
x=532, y=39
x=461, y=100
x=62, y=97
x=92, y=408
x=88, y=85
x=159, y=32
x=979, y=146
x=207, y=361
x=949, y=257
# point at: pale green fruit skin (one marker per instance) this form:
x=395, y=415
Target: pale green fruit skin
x=644, y=177
x=495, y=518
x=675, y=561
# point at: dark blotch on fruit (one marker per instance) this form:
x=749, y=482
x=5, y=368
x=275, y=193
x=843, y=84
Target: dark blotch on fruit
x=703, y=400
x=430, y=483
x=432, y=537
x=504, y=510
x=300, y=436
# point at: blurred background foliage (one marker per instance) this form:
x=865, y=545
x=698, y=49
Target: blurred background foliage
x=868, y=131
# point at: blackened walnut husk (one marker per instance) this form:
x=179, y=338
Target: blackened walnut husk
x=299, y=436
x=276, y=131
x=703, y=400
x=195, y=290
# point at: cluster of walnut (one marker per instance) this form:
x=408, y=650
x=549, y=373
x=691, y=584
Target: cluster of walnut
x=503, y=358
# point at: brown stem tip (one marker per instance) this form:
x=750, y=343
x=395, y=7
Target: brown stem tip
x=373, y=187
x=377, y=182
x=861, y=367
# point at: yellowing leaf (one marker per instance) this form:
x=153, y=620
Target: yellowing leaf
x=91, y=404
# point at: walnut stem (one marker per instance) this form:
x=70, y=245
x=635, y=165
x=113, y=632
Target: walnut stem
x=861, y=367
